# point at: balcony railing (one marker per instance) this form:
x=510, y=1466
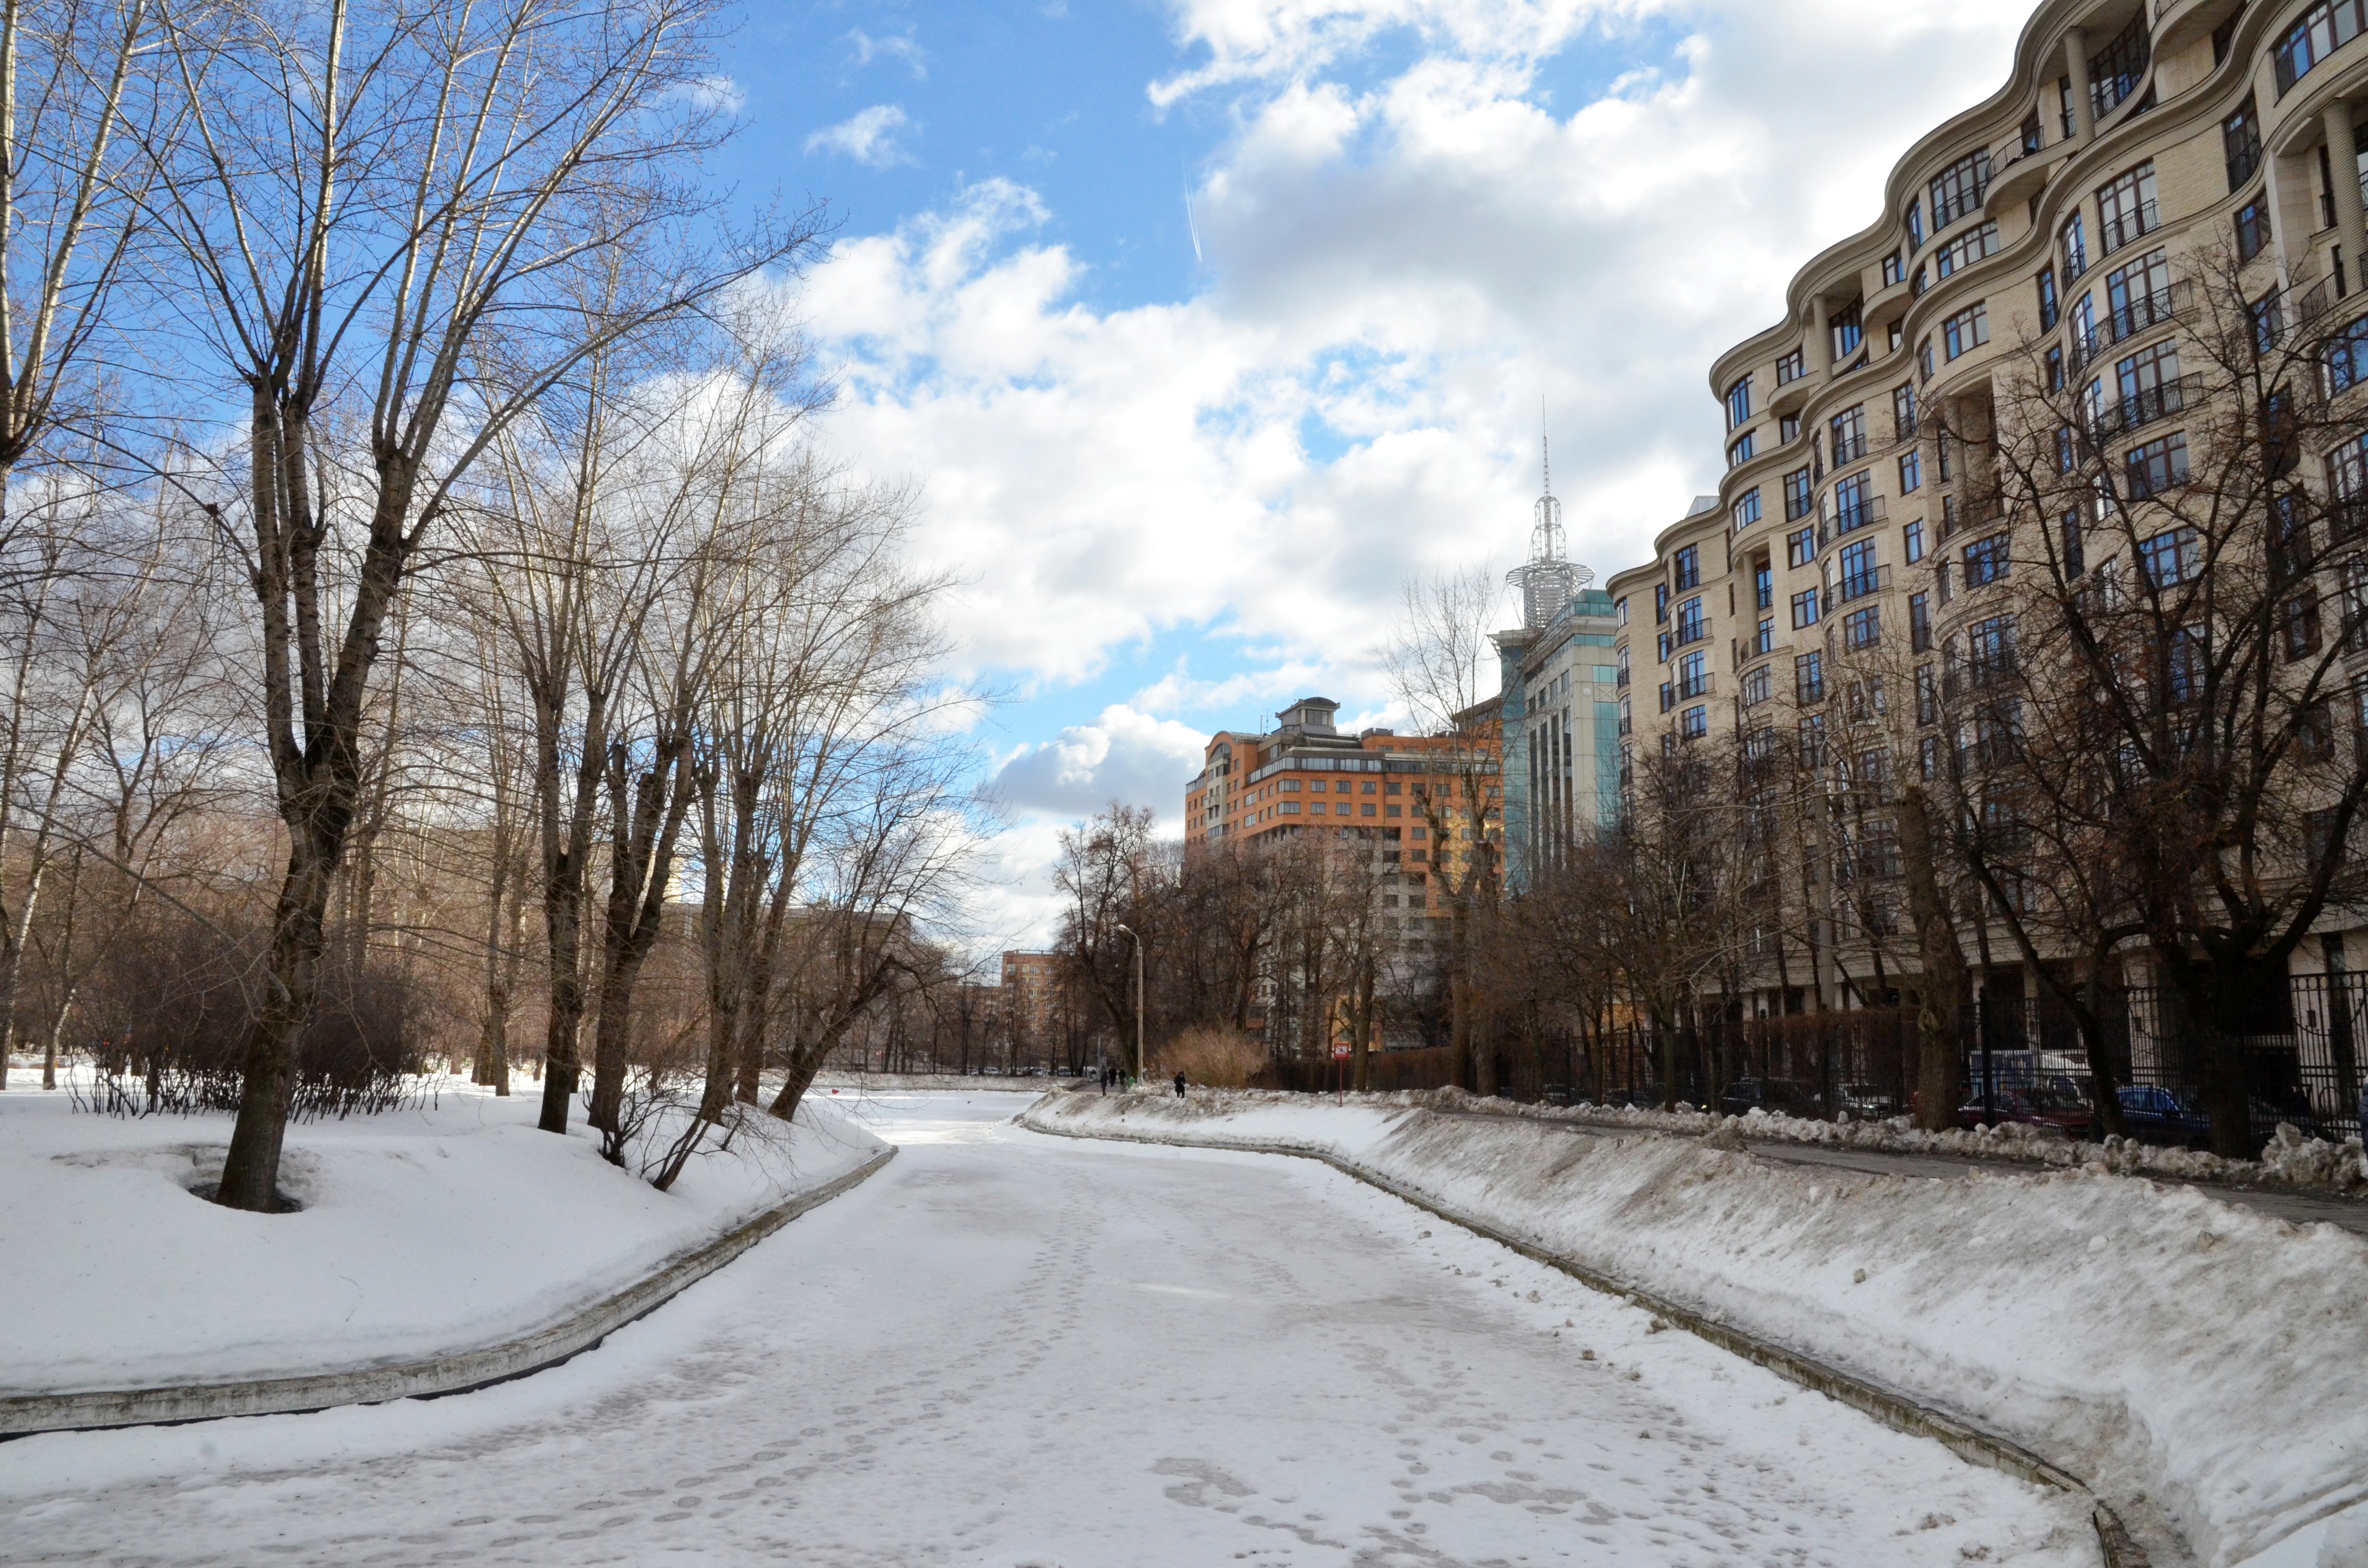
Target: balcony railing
x=1687, y=690
x=1857, y=585
x=1690, y=632
x=1850, y=449
x=2141, y=408
x=1858, y=514
x=2131, y=226
x=2145, y=313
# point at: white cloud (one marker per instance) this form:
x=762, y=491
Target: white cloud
x=1124, y=756
x=869, y=137
x=900, y=46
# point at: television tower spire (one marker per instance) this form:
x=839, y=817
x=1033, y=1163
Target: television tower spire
x=1548, y=581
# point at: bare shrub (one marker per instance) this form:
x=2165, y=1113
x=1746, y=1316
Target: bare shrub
x=1218, y=1058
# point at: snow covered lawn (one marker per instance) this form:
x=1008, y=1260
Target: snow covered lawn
x=424, y=1232
x=2199, y=1364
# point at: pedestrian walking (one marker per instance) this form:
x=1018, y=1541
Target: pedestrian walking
x=1179, y=1085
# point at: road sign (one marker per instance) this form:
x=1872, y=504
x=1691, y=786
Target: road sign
x=1340, y=1053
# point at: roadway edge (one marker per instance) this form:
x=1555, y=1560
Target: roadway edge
x=1894, y=1409
x=23, y=1416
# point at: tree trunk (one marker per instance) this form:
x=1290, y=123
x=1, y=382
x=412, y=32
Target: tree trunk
x=1941, y=997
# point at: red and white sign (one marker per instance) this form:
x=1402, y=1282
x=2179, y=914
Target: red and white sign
x=1340, y=1053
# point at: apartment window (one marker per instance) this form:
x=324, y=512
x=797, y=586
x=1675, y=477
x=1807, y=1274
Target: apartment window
x=2064, y=107
x=1805, y=609
x=1757, y=688
x=1688, y=564
x=2301, y=624
x=2149, y=384
x=1859, y=574
x=1911, y=541
x=2072, y=242
x=1863, y=629
x=1660, y=603
x=1800, y=492
x=1989, y=649
x=2253, y=227
x=1790, y=367
x=2347, y=357
x=1928, y=696
x=1693, y=677
x=2054, y=361
x=1957, y=189
x=1894, y=270
x=1808, y=677
x=1924, y=357
x=2240, y=141
x=1911, y=472
x=2317, y=33
x=1853, y=508
x=1915, y=225
x=2115, y=70
x=2067, y=449
x=2138, y=295
x=1903, y=410
x=1788, y=429
x=2076, y=558
x=2268, y=316
x=1801, y=547
x=1746, y=510
x=2127, y=208
x=1693, y=723
x=1621, y=610
x=2032, y=139
x=1848, y=330
x=1920, y=622
x=2157, y=466
x=1763, y=587
x=1850, y=435
x=1967, y=249
x=1968, y=329
x=1986, y=561
x=1765, y=642
x=1692, y=625
x=1738, y=403
x=1741, y=450
x=2169, y=557
x=2050, y=308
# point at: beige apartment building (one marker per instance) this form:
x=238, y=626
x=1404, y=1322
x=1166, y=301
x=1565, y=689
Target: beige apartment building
x=2068, y=222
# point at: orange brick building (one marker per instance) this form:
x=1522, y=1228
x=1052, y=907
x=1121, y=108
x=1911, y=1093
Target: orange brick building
x=1305, y=778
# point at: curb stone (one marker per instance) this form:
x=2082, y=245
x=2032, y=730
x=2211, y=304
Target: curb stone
x=430, y=1378
x=1895, y=1410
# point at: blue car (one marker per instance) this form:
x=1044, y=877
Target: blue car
x=2156, y=1115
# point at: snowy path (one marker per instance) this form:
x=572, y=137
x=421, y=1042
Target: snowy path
x=1008, y=1349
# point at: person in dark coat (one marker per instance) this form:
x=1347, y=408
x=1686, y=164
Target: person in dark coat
x=1179, y=1085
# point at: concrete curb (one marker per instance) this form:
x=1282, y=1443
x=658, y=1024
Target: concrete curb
x=24, y=1415
x=1895, y=1410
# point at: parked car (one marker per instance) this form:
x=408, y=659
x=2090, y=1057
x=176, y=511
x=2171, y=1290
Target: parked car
x=1786, y=1096
x=2034, y=1107
x=1870, y=1102
x=1556, y=1094
x=2153, y=1114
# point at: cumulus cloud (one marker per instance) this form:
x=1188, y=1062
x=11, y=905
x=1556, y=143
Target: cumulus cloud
x=1123, y=755
x=869, y=137
x=896, y=46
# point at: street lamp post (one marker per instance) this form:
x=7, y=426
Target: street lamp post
x=1138, y=1000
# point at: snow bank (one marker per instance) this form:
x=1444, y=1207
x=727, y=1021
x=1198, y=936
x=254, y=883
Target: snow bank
x=2197, y=1363
x=424, y=1232
x=2290, y=1160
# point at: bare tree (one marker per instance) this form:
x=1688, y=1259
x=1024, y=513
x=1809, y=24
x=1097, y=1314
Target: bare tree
x=381, y=211
x=1439, y=658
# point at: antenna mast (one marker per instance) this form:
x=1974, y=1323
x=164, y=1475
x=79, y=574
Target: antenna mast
x=1548, y=581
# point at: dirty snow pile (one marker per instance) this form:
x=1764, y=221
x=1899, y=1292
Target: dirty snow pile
x=2290, y=1160
x=2197, y=1363
x=424, y=1230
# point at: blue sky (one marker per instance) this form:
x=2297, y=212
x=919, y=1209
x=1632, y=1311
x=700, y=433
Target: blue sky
x=1181, y=489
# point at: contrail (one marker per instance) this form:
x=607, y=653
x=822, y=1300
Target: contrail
x=1193, y=228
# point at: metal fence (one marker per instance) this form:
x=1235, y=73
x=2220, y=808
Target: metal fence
x=2024, y=1057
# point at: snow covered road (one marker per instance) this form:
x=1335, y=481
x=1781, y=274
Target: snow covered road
x=1010, y=1349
